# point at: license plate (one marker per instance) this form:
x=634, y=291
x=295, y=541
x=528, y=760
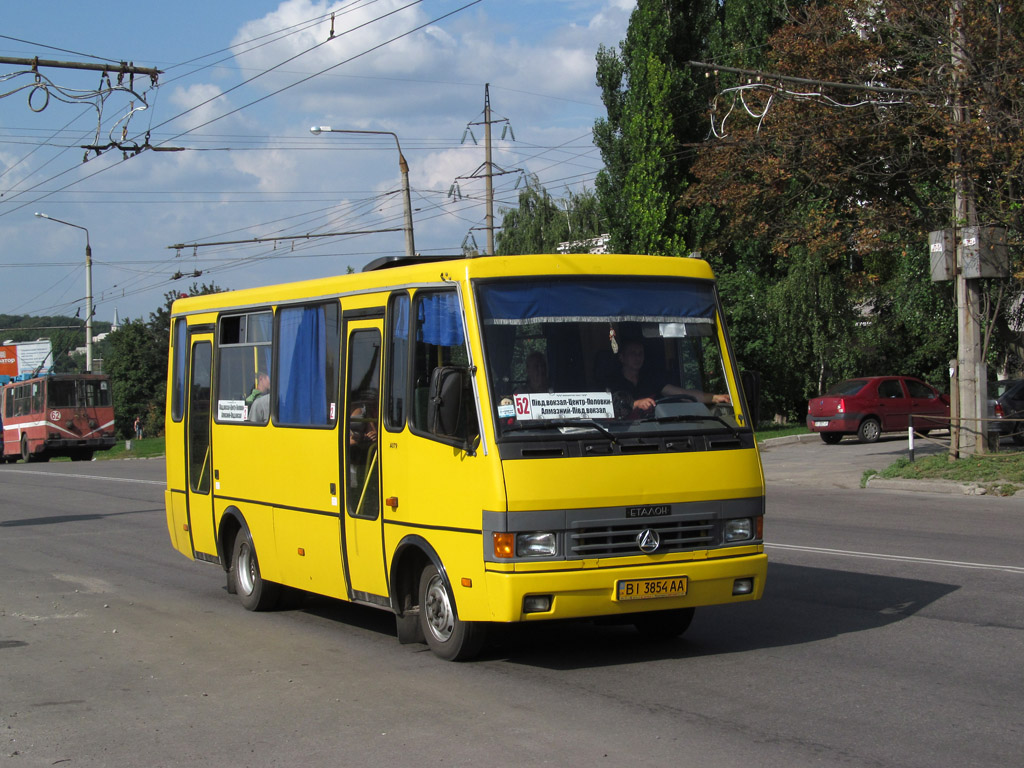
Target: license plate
x=645, y=589
x=821, y=423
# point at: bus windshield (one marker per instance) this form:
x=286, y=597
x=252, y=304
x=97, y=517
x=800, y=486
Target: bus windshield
x=611, y=356
x=78, y=393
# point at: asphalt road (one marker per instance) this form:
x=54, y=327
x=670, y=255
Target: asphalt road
x=890, y=635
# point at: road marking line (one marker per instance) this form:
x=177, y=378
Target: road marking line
x=6, y=470
x=899, y=558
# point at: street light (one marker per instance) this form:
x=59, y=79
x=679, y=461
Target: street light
x=88, y=289
x=410, y=248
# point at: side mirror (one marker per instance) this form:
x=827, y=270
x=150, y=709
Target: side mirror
x=751, y=383
x=444, y=409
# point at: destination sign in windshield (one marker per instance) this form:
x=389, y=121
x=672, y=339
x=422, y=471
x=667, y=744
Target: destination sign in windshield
x=564, y=405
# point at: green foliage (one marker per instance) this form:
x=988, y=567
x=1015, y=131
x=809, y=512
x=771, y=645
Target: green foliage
x=815, y=217
x=134, y=356
x=651, y=97
x=138, y=372
x=65, y=334
x=541, y=222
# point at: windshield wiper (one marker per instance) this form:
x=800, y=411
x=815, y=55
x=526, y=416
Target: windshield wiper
x=692, y=417
x=562, y=424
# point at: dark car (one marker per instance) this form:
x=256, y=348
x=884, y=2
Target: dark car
x=1008, y=395
x=869, y=406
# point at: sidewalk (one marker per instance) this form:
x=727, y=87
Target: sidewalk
x=853, y=466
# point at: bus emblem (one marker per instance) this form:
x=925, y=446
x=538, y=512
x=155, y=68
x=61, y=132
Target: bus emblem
x=54, y=415
x=648, y=541
x=654, y=510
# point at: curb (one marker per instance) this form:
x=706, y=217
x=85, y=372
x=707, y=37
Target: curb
x=926, y=486
x=806, y=438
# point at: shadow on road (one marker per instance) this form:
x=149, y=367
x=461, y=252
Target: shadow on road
x=801, y=605
x=59, y=519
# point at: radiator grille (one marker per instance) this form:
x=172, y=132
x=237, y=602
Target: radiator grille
x=620, y=538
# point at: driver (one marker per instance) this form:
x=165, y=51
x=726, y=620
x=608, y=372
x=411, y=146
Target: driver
x=644, y=386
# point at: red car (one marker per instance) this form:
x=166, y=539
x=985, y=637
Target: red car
x=870, y=406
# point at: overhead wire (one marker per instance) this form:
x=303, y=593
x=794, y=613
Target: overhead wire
x=438, y=208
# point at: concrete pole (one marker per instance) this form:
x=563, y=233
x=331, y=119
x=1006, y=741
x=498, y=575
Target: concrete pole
x=403, y=166
x=971, y=366
x=88, y=288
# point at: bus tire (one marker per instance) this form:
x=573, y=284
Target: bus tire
x=663, y=625
x=447, y=635
x=253, y=591
x=25, y=455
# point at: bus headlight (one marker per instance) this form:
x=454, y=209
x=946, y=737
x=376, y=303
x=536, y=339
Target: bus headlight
x=539, y=544
x=739, y=530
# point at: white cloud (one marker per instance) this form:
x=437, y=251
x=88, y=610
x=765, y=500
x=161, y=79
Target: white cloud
x=537, y=55
x=202, y=102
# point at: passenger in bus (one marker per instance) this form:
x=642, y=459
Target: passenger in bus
x=259, y=410
x=362, y=450
x=362, y=429
x=536, y=374
x=644, y=386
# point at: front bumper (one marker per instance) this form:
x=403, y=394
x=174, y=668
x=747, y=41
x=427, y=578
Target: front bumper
x=95, y=443
x=591, y=592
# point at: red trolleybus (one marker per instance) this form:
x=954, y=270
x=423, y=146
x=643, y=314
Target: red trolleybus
x=65, y=414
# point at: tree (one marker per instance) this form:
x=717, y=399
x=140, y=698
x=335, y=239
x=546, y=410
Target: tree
x=138, y=373
x=541, y=222
x=652, y=100
x=136, y=361
x=848, y=183
x=656, y=126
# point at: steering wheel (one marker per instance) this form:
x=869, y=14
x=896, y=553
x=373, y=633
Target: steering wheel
x=680, y=398
x=622, y=404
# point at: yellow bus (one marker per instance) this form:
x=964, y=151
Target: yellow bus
x=473, y=441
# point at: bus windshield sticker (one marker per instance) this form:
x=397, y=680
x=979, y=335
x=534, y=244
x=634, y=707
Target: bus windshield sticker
x=231, y=410
x=562, y=405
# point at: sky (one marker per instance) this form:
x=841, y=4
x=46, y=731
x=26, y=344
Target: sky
x=241, y=83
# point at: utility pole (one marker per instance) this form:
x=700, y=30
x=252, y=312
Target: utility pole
x=487, y=169
x=973, y=385
x=403, y=167
x=489, y=176
x=88, y=288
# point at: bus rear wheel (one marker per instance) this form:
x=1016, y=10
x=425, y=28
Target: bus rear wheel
x=254, y=593
x=447, y=635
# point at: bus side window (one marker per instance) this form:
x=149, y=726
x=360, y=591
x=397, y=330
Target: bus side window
x=178, y=376
x=245, y=346
x=308, y=365
x=397, y=387
x=439, y=342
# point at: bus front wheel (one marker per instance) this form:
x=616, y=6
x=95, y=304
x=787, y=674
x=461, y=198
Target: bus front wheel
x=447, y=635
x=254, y=593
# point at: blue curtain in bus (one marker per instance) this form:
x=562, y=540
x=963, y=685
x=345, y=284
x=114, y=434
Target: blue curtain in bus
x=400, y=317
x=302, y=363
x=555, y=301
x=438, y=319
x=180, y=359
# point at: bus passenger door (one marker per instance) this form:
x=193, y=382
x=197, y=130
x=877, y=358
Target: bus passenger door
x=199, y=456
x=360, y=476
